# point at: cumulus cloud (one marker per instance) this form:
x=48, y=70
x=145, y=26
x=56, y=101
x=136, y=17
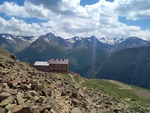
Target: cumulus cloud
x=68, y=18
x=133, y=9
x=12, y=9
x=63, y=7
x=37, y=11
x=18, y=27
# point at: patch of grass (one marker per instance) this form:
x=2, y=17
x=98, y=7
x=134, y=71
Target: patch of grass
x=77, y=79
x=131, y=95
x=114, y=91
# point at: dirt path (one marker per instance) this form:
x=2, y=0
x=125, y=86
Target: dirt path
x=81, y=81
x=73, y=79
x=121, y=85
x=77, y=84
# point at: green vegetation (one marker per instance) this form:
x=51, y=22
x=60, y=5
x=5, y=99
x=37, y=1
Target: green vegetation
x=133, y=96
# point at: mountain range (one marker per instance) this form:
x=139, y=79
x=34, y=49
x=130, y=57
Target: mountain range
x=110, y=45
x=89, y=56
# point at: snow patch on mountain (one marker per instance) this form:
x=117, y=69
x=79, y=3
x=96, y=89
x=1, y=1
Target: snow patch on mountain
x=10, y=39
x=111, y=41
x=3, y=36
x=46, y=40
x=33, y=39
x=21, y=38
x=74, y=39
x=90, y=40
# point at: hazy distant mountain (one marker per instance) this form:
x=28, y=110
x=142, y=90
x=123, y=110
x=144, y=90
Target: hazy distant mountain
x=15, y=43
x=130, y=42
x=130, y=65
x=110, y=45
x=91, y=41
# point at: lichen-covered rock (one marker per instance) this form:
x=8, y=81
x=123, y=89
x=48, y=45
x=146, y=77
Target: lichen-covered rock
x=16, y=81
x=76, y=110
x=7, y=101
x=4, y=95
x=9, y=106
x=2, y=110
x=21, y=109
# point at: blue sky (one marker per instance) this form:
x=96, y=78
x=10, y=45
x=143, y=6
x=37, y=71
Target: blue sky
x=143, y=23
x=65, y=18
x=88, y=2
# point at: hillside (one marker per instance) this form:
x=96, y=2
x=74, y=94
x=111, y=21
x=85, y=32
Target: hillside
x=23, y=89
x=129, y=66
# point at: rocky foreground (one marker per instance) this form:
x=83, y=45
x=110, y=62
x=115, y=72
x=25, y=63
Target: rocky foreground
x=26, y=90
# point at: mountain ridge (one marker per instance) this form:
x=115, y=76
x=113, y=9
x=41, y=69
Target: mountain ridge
x=130, y=65
x=115, y=44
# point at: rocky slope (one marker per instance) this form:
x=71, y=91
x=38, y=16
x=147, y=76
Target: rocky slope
x=26, y=90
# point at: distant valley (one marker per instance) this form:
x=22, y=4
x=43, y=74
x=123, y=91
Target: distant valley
x=126, y=60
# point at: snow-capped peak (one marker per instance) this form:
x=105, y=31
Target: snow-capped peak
x=13, y=39
x=74, y=39
x=33, y=39
x=111, y=41
x=3, y=36
x=46, y=40
x=9, y=38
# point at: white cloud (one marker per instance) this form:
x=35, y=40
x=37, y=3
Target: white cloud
x=133, y=9
x=63, y=7
x=12, y=9
x=19, y=27
x=68, y=18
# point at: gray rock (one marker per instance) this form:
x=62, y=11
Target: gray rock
x=2, y=110
x=11, y=91
x=21, y=109
x=7, y=101
x=16, y=81
x=76, y=110
x=4, y=95
x=9, y=106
